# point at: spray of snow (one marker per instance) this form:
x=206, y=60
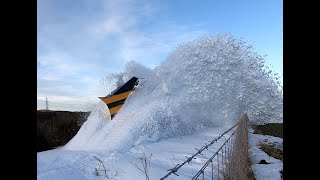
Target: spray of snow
x=97, y=119
x=203, y=83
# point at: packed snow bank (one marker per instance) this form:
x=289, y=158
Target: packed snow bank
x=203, y=83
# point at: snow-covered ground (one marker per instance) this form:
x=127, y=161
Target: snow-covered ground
x=264, y=171
x=194, y=95
x=80, y=165
x=64, y=164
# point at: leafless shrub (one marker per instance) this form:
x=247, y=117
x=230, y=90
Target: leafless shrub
x=101, y=170
x=145, y=165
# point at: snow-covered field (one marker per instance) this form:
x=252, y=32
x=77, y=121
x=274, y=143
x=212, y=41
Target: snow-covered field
x=64, y=164
x=195, y=94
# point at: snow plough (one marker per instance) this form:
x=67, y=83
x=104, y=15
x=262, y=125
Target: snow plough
x=117, y=97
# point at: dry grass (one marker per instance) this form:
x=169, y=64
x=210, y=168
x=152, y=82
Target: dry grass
x=272, y=129
x=272, y=151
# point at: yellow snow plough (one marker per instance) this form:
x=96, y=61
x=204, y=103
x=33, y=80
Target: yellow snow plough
x=117, y=98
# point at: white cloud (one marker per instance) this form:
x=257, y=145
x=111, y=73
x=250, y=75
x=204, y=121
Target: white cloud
x=57, y=66
x=76, y=49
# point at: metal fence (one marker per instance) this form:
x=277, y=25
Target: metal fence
x=199, y=151
x=230, y=161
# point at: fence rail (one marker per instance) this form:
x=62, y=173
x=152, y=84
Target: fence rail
x=201, y=171
x=231, y=159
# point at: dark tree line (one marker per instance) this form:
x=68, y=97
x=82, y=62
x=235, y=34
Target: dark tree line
x=56, y=128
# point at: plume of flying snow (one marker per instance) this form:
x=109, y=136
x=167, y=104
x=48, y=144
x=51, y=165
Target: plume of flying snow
x=206, y=82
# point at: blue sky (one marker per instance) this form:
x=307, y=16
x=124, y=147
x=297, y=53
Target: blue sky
x=80, y=42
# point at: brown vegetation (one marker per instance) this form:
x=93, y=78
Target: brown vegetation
x=56, y=128
x=272, y=129
x=272, y=151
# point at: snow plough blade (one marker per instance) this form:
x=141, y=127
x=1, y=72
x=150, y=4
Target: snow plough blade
x=117, y=98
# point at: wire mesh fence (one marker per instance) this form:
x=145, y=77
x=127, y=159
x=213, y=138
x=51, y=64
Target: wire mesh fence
x=230, y=161
x=199, y=151
x=215, y=166
x=238, y=165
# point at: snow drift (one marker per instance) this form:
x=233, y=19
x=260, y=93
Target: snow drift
x=203, y=83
